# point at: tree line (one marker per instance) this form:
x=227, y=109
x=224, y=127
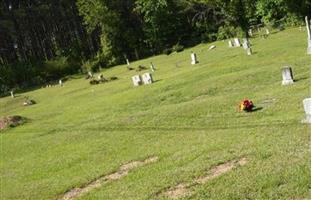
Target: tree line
x=44, y=40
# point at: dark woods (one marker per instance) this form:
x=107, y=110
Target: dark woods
x=44, y=40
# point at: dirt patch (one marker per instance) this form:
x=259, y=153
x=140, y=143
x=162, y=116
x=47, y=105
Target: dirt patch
x=11, y=121
x=123, y=171
x=183, y=190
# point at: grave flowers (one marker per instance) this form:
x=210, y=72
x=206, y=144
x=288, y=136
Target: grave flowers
x=246, y=105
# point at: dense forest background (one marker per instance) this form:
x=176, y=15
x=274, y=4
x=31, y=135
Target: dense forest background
x=44, y=40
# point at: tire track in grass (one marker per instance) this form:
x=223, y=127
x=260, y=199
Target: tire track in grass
x=122, y=171
x=184, y=189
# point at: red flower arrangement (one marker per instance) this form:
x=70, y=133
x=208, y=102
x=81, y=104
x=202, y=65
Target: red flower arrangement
x=246, y=105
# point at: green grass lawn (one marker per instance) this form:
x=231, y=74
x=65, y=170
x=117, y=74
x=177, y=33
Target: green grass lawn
x=188, y=118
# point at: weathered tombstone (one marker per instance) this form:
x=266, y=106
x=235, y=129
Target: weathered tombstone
x=287, y=75
x=307, y=108
x=250, y=32
x=60, y=83
x=12, y=94
x=309, y=34
x=212, y=47
x=147, y=78
x=90, y=74
x=267, y=32
x=152, y=67
x=194, y=59
x=230, y=43
x=137, y=80
x=249, y=51
x=128, y=62
x=245, y=44
x=237, y=42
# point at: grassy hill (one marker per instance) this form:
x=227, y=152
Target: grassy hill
x=188, y=118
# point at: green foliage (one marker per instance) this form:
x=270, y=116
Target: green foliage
x=59, y=67
x=228, y=31
x=178, y=48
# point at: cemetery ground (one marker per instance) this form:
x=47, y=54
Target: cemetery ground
x=188, y=119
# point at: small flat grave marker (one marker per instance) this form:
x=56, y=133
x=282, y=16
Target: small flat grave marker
x=307, y=108
x=287, y=75
x=137, y=80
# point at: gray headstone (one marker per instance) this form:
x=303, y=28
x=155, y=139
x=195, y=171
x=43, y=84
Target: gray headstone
x=152, y=67
x=250, y=32
x=230, y=43
x=249, y=51
x=90, y=74
x=136, y=80
x=237, y=42
x=307, y=108
x=309, y=34
x=194, y=59
x=12, y=94
x=245, y=44
x=212, y=47
x=287, y=75
x=147, y=78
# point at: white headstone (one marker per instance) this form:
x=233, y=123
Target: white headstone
x=267, y=31
x=245, y=44
x=249, y=51
x=230, y=43
x=250, y=32
x=194, y=59
x=309, y=34
x=152, y=67
x=60, y=83
x=127, y=62
x=212, y=47
x=136, y=80
x=147, y=78
x=237, y=42
x=307, y=108
x=287, y=75
x=90, y=74
x=12, y=94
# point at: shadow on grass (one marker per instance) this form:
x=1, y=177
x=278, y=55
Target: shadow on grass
x=257, y=109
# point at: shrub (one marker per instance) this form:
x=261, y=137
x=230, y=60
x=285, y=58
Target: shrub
x=178, y=48
x=167, y=51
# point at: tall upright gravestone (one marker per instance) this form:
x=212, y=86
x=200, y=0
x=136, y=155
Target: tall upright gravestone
x=309, y=34
x=307, y=108
x=287, y=75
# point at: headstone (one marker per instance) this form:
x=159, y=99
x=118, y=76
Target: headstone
x=307, y=108
x=230, y=43
x=147, y=78
x=152, y=67
x=60, y=83
x=194, y=59
x=287, y=75
x=309, y=34
x=249, y=51
x=12, y=94
x=250, y=32
x=237, y=42
x=127, y=62
x=90, y=74
x=212, y=47
x=245, y=44
x=267, y=32
x=137, y=80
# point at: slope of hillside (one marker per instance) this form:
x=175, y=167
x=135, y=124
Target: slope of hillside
x=188, y=118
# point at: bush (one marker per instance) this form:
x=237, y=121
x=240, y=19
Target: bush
x=167, y=51
x=227, y=31
x=178, y=48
